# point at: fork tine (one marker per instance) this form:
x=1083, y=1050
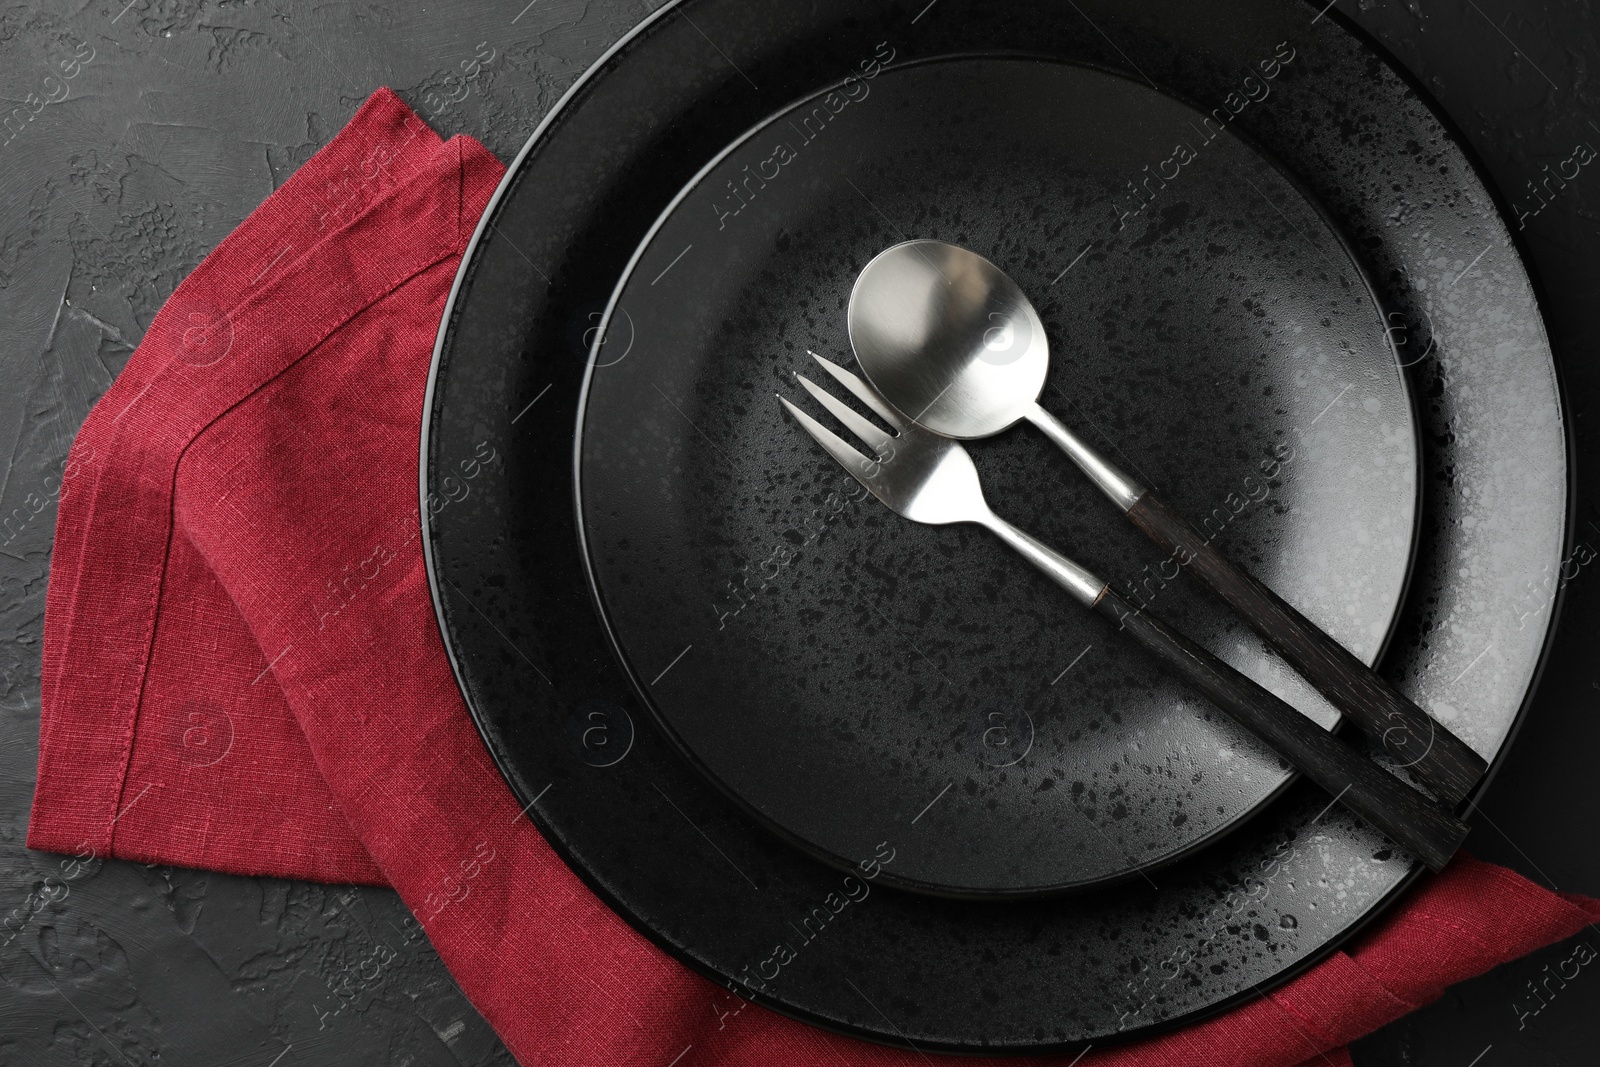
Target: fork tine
x=861, y=427
x=861, y=390
x=848, y=458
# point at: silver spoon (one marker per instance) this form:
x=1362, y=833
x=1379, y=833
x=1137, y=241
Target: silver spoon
x=953, y=344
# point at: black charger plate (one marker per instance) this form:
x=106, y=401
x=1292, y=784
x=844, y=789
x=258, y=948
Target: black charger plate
x=671, y=853
x=854, y=678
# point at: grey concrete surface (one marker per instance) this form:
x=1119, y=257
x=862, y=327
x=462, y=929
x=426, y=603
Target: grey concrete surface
x=141, y=134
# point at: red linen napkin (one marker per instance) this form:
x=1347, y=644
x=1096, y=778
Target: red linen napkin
x=242, y=670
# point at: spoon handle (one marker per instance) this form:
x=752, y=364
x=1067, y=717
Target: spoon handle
x=1123, y=490
x=1416, y=823
x=1442, y=760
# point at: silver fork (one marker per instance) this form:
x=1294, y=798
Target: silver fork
x=931, y=479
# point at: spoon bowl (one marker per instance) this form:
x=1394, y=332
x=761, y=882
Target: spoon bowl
x=955, y=346
x=950, y=337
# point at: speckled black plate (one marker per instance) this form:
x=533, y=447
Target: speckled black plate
x=676, y=857
x=854, y=678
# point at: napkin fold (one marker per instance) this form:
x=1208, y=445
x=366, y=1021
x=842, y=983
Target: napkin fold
x=242, y=669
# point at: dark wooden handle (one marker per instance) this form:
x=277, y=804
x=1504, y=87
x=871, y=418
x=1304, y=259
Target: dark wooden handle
x=1414, y=738
x=1416, y=823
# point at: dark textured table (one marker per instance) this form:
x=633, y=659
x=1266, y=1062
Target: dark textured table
x=139, y=136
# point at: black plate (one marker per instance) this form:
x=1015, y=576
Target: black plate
x=855, y=678
x=673, y=855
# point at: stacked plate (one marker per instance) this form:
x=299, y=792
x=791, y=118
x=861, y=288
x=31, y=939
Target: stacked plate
x=879, y=775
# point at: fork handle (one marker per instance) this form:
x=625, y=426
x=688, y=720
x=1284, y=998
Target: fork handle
x=1441, y=759
x=1416, y=823
x=1085, y=588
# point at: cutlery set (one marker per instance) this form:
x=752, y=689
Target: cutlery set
x=952, y=350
